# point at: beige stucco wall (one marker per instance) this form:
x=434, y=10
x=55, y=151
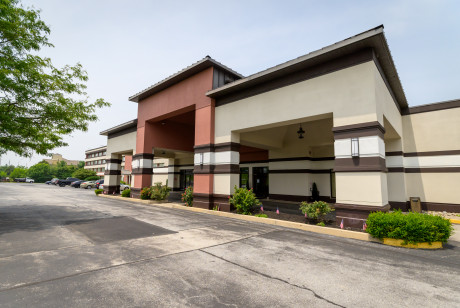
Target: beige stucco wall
x=434, y=187
x=349, y=94
x=366, y=188
x=432, y=131
x=122, y=144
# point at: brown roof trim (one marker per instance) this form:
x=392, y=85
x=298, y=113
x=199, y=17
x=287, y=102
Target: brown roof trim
x=187, y=72
x=432, y=107
x=120, y=127
x=372, y=39
x=359, y=130
x=427, y=153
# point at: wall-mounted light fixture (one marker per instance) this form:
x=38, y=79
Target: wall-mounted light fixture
x=201, y=158
x=300, y=132
x=354, y=147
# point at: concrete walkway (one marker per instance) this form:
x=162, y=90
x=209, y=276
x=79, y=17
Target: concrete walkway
x=64, y=247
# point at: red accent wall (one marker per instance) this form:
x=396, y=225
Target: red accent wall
x=128, y=161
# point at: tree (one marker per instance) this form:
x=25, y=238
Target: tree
x=18, y=172
x=62, y=171
x=40, y=172
x=39, y=103
x=83, y=173
x=81, y=164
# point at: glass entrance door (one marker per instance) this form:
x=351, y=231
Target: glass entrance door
x=260, y=181
x=186, y=178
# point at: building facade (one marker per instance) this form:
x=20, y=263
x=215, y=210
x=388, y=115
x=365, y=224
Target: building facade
x=95, y=160
x=56, y=158
x=337, y=117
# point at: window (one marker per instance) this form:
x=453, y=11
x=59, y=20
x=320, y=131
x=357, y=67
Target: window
x=104, y=153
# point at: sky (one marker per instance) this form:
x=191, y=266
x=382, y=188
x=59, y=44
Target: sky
x=126, y=46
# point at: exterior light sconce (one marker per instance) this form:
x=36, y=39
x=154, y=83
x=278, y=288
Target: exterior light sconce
x=354, y=147
x=201, y=159
x=300, y=132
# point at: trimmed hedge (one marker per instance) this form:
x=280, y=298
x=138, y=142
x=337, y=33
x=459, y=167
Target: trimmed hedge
x=98, y=191
x=126, y=193
x=411, y=227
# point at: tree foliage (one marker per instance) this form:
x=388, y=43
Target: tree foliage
x=40, y=172
x=83, y=173
x=39, y=103
x=18, y=172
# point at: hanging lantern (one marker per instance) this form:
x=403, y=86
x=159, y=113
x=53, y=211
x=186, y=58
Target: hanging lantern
x=300, y=132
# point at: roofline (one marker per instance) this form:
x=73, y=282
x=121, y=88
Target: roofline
x=119, y=127
x=206, y=62
x=263, y=75
x=450, y=104
x=100, y=147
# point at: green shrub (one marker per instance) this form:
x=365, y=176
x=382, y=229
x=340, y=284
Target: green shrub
x=316, y=210
x=412, y=227
x=92, y=178
x=187, y=196
x=123, y=182
x=126, y=193
x=244, y=200
x=98, y=191
x=159, y=192
x=321, y=223
x=261, y=215
x=145, y=193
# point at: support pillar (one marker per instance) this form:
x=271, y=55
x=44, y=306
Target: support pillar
x=361, y=173
x=142, y=170
x=112, y=174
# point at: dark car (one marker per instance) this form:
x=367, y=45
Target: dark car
x=48, y=182
x=99, y=182
x=76, y=184
x=66, y=182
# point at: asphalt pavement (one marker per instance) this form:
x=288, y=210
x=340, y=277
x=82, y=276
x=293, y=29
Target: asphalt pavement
x=65, y=247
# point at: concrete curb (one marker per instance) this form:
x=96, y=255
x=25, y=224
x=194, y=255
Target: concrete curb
x=455, y=221
x=269, y=221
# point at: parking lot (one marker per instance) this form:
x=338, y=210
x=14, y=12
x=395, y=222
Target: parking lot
x=65, y=247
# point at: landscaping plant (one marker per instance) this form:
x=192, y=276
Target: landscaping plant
x=126, y=193
x=145, y=193
x=98, y=191
x=261, y=215
x=159, y=192
x=411, y=227
x=187, y=196
x=315, y=211
x=244, y=200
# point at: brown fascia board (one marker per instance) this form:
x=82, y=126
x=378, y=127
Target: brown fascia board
x=432, y=107
x=373, y=38
x=123, y=126
x=182, y=75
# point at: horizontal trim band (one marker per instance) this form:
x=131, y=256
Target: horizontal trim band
x=165, y=173
x=306, y=171
x=358, y=207
x=112, y=172
x=272, y=160
x=359, y=130
x=218, y=147
x=113, y=161
x=431, y=107
x=142, y=171
x=432, y=170
x=297, y=198
x=427, y=206
x=217, y=169
x=419, y=154
x=360, y=164
x=143, y=156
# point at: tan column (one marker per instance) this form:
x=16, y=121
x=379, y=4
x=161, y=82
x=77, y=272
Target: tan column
x=112, y=174
x=361, y=178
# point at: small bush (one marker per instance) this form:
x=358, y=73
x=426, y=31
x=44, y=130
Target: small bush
x=159, y=192
x=98, y=191
x=92, y=178
x=187, y=196
x=412, y=227
x=261, y=215
x=145, y=193
x=316, y=210
x=123, y=182
x=126, y=193
x=321, y=224
x=244, y=200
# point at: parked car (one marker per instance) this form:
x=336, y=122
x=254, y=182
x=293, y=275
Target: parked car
x=98, y=182
x=54, y=181
x=88, y=184
x=48, y=182
x=124, y=187
x=101, y=186
x=66, y=182
x=76, y=184
x=26, y=180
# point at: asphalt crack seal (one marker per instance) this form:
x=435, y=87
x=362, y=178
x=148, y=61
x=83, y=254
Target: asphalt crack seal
x=274, y=278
